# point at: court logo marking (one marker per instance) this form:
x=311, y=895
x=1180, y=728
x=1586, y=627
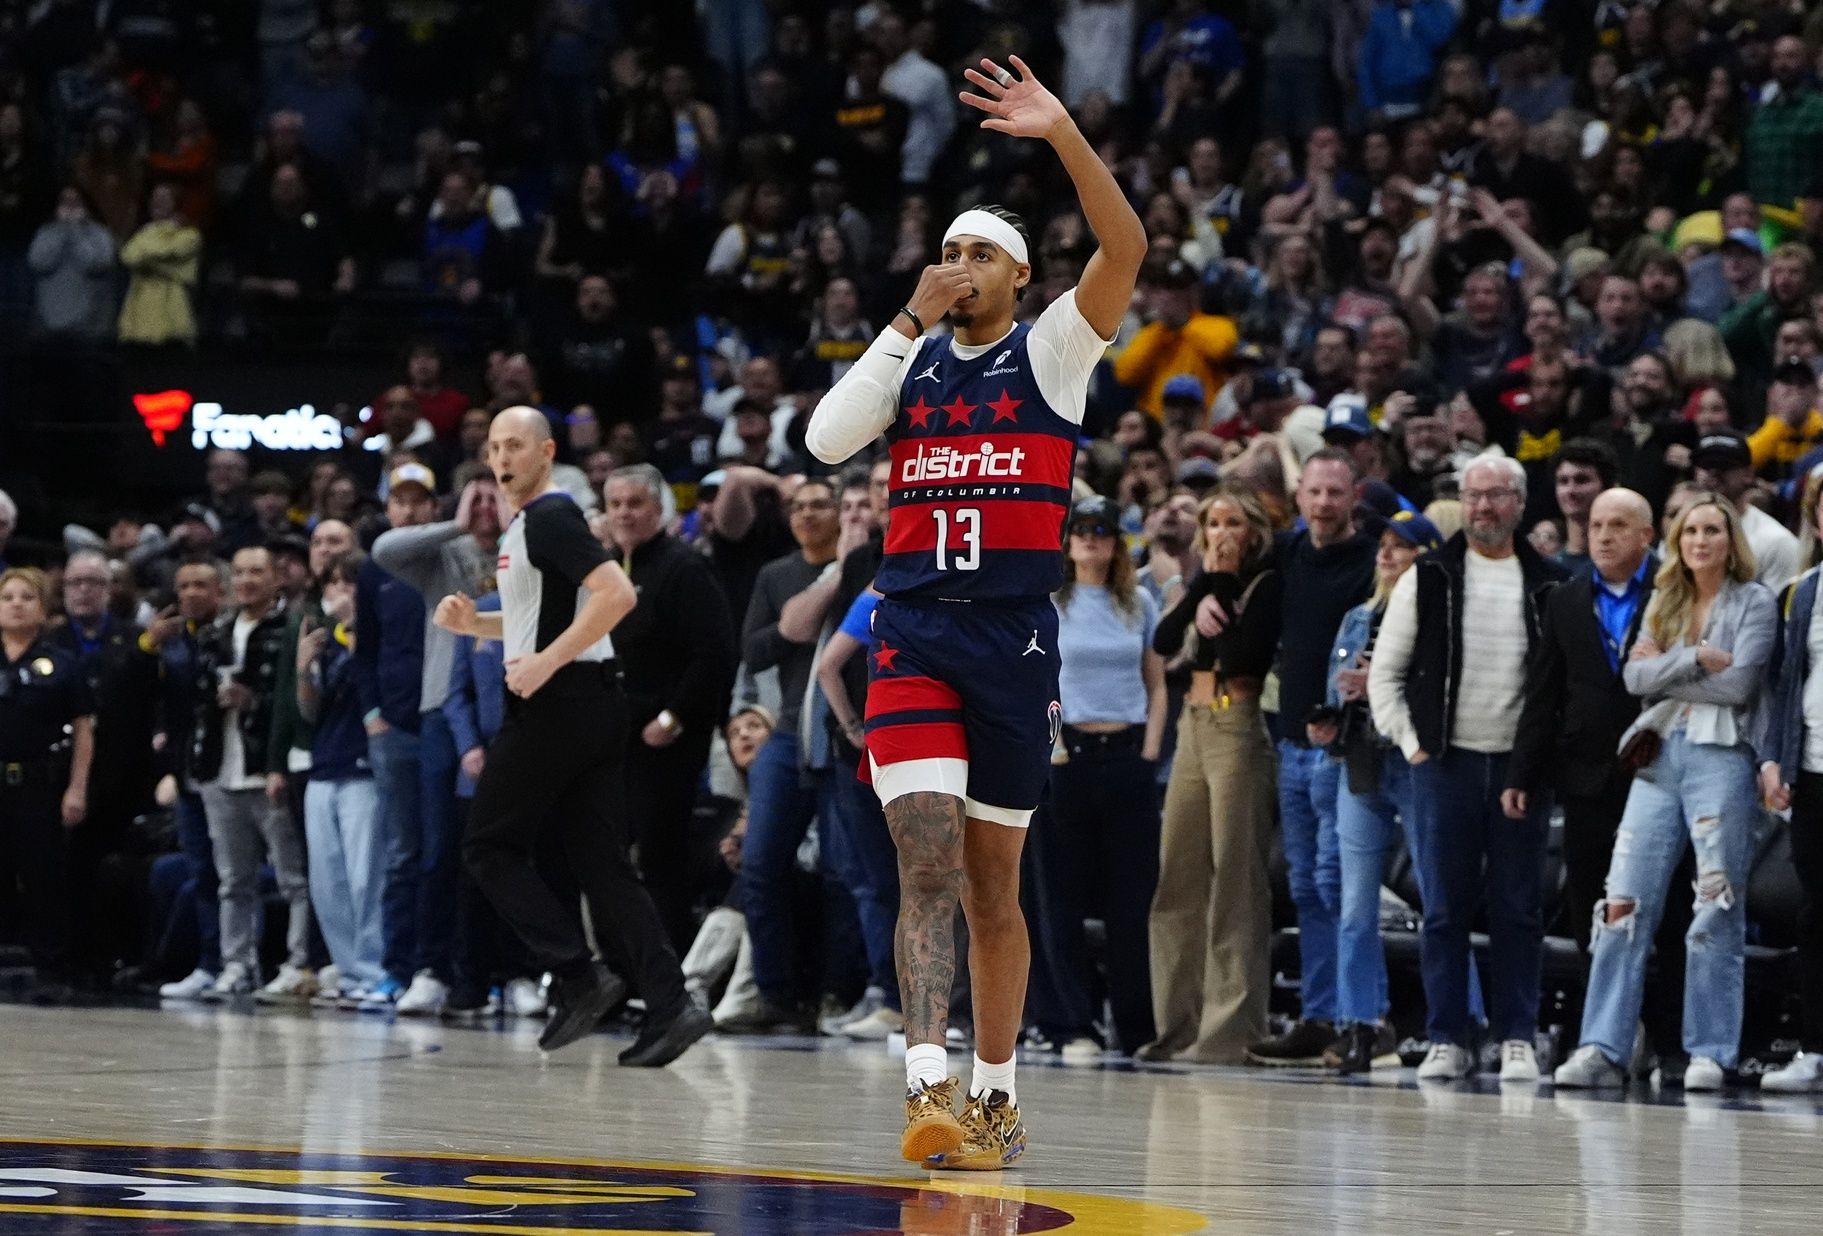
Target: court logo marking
x=107, y=1189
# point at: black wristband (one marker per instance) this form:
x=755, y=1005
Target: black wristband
x=916, y=321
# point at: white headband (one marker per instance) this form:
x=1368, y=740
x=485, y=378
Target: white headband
x=988, y=227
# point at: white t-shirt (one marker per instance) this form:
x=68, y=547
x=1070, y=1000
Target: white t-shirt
x=1813, y=697
x=233, y=774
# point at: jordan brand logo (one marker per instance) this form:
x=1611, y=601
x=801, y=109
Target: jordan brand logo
x=1033, y=647
x=930, y=373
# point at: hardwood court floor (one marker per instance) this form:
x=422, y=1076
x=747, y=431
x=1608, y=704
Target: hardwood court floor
x=123, y=1120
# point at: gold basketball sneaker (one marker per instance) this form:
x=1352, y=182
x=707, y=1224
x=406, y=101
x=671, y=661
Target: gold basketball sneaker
x=993, y=1136
x=931, y=1127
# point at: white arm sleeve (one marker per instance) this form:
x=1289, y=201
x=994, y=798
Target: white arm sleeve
x=1392, y=659
x=1065, y=350
x=859, y=407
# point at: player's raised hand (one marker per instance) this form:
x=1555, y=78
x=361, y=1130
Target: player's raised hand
x=1018, y=105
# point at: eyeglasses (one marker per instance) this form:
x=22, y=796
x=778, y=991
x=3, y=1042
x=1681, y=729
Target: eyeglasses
x=1097, y=529
x=1471, y=496
x=83, y=581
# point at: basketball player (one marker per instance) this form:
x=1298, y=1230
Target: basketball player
x=556, y=762
x=962, y=698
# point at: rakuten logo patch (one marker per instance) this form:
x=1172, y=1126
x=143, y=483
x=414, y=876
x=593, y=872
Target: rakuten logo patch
x=946, y=463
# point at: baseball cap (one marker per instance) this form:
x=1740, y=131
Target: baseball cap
x=1795, y=372
x=412, y=474
x=201, y=514
x=1722, y=448
x=680, y=366
x=1347, y=418
x=1184, y=386
x=712, y=482
x=1247, y=353
x=1744, y=238
x=1098, y=513
x=1270, y=384
x=1414, y=528
x=1198, y=472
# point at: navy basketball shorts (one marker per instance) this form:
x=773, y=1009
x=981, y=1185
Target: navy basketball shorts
x=962, y=700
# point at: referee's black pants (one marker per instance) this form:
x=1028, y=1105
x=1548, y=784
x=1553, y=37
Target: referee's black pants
x=556, y=766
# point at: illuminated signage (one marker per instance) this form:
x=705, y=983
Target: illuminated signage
x=302, y=428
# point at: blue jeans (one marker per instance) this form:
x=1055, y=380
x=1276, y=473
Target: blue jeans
x=1705, y=793
x=1468, y=852
x=394, y=755
x=782, y=801
x=193, y=842
x=867, y=862
x=341, y=825
x=1308, y=782
x=1369, y=828
x=439, y=845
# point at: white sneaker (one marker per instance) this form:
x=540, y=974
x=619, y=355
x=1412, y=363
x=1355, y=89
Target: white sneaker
x=290, y=986
x=1703, y=1074
x=1518, y=1062
x=1801, y=1075
x=1444, y=1062
x=192, y=986
x=329, y=978
x=425, y=997
x=525, y=998
x=234, y=980
x=1588, y=1069
x=876, y=1027
x=1080, y=1050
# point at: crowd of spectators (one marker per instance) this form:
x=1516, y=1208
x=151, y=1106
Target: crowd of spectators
x=1428, y=279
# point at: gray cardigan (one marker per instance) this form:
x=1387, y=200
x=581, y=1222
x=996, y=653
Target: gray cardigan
x=1722, y=707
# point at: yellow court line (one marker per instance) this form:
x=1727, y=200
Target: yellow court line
x=1104, y=1216
x=371, y=1225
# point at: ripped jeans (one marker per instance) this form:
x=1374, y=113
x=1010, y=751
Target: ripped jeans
x=1705, y=793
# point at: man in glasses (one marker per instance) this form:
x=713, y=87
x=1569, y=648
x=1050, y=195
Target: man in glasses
x=1447, y=684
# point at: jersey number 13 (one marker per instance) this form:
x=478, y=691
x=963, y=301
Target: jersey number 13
x=958, y=539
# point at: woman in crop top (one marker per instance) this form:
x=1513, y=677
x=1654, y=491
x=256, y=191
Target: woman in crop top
x=1099, y=837
x=1212, y=914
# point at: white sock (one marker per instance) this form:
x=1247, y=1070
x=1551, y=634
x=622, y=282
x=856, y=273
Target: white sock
x=995, y=1077
x=926, y=1064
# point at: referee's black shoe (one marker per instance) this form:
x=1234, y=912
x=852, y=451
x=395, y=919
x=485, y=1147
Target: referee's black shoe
x=661, y=1042
x=578, y=1004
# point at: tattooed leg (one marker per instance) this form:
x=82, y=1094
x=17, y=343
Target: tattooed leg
x=927, y=829
x=999, y=951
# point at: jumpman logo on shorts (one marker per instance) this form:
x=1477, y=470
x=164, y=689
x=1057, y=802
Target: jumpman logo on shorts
x=1033, y=647
x=930, y=373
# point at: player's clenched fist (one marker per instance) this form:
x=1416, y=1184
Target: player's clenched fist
x=939, y=288
x=456, y=614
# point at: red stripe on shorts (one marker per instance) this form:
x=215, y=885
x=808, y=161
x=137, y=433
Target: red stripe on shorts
x=910, y=694
x=923, y=740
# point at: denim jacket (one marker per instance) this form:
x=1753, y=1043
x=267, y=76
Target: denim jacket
x=1351, y=637
x=1783, y=742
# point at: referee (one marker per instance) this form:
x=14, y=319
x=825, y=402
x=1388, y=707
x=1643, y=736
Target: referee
x=556, y=763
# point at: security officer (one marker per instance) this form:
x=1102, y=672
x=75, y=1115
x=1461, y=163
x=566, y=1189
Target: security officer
x=47, y=721
x=124, y=686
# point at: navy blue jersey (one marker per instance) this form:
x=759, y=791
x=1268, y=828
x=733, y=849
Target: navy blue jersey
x=981, y=476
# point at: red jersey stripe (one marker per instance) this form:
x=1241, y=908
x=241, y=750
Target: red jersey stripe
x=1004, y=525
x=1032, y=458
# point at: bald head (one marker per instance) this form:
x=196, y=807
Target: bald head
x=521, y=419
x=520, y=450
x=1620, y=534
